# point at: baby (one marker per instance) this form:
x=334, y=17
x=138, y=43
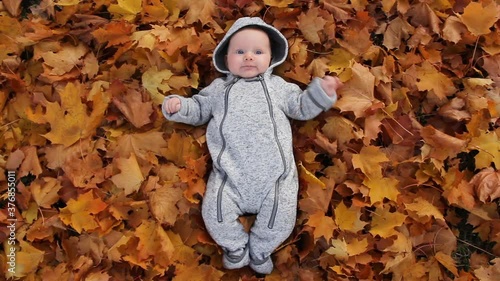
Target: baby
x=250, y=141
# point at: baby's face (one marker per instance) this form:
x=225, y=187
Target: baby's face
x=249, y=53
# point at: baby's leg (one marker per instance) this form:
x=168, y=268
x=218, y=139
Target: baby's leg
x=264, y=240
x=229, y=233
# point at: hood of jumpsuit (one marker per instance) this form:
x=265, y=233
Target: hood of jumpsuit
x=279, y=44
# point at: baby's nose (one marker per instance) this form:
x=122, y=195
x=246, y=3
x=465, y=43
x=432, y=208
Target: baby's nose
x=248, y=57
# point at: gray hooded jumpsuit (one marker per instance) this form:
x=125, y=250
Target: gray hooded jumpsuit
x=250, y=141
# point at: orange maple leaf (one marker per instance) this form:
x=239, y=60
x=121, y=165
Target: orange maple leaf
x=80, y=213
x=70, y=120
x=323, y=225
x=479, y=18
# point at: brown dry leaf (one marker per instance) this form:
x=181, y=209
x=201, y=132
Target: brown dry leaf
x=80, y=213
x=441, y=145
x=180, y=148
x=486, y=183
x=447, y=261
x=154, y=244
x=479, y=17
x=44, y=191
x=357, y=95
x=163, y=203
x=310, y=24
x=67, y=58
x=12, y=6
x=136, y=110
x=198, y=11
x=397, y=31
x=490, y=272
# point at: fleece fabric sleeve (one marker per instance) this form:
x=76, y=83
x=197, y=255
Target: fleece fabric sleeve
x=195, y=111
x=305, y=105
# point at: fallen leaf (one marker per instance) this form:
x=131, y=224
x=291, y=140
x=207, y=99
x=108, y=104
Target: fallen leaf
x=130, y=177
x=384, y=222
x=486, y=184
x=69, y=120
x=348, y=219
x=80, y=213
x=479, y=17
x=323, y=225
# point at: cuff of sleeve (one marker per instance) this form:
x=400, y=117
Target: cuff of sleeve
x=319, y=96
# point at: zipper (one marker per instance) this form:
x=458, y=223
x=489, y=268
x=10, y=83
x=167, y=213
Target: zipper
x=224, y=180
x=270, y=225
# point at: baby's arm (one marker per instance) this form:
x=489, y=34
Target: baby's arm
x=319, y=96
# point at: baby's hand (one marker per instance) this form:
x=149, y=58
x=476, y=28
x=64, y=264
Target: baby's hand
x=172, y=105
x=330, y=84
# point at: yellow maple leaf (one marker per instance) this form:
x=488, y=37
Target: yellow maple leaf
x=80, y=213
x=384, y=222
x=310, y=23
x=348, y=219
x=323, y=225
x=339, y=60
x=126, y=9
x=338, y=249
x=70, y=121
x=368, y=160
x=488, y=145
x=382, y=187
x=430, y=79
x=278, y=3
x=130, y=177
x=424, y=208
x=154, y=81
x=479, y=18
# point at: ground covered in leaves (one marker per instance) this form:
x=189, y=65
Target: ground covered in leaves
x=399, y=181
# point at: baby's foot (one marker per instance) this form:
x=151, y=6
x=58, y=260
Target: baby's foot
x=264, y=266
x=236, y=259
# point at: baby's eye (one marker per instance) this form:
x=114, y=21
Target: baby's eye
x=240, y=52
x=259, y=52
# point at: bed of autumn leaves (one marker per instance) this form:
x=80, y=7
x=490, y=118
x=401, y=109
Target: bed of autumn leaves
x=399, y=181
